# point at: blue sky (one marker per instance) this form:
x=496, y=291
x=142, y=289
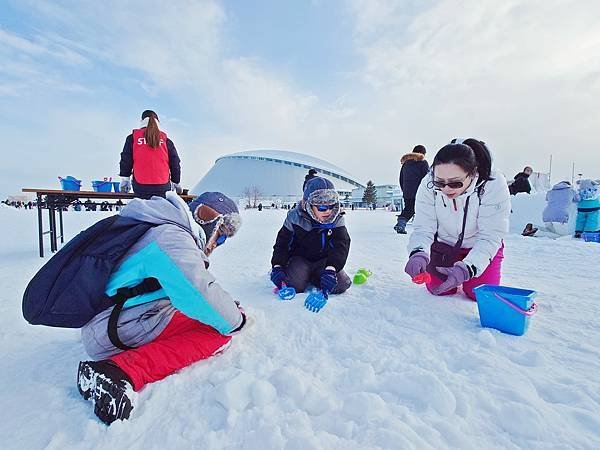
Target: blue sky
x=355, y=82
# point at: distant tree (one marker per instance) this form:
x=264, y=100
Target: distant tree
x=370, y=194
x=256, y=193
x=247, y=193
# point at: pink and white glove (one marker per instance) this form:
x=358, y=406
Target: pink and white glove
x=457, y=275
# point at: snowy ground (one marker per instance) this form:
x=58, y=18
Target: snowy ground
x=385, y=365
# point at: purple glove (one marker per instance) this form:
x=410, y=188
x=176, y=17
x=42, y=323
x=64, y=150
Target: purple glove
x=457, y=275
x=416, y=264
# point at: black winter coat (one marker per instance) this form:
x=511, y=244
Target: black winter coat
x=302, y=236
x=414, y=168
x=521, y=184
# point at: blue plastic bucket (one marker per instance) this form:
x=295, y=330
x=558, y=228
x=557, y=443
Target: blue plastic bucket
x=70, y=183
x=116, y=185
x=102, y=186
x=505, y=308
x=591, y=236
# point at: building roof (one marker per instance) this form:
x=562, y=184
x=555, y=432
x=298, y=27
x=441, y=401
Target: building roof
x=306, y=161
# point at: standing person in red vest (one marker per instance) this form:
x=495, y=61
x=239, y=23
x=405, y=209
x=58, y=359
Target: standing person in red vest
x=152, y=158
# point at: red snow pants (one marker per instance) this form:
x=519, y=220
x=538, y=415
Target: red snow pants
x=183, y=342
x=491, y=275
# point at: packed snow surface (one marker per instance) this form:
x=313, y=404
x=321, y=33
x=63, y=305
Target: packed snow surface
x=385, y=365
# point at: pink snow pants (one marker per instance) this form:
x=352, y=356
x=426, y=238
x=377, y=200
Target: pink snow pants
x=182, y=343
x=491, y=275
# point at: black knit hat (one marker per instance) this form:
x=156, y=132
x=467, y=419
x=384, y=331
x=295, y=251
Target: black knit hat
x=419, y=149
x=149, y=113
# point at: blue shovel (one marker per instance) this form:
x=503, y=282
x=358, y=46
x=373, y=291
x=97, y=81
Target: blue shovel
x=315, y=301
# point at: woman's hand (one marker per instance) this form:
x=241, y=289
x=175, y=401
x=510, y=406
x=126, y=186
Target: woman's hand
x=417, y=264
x=457, y=275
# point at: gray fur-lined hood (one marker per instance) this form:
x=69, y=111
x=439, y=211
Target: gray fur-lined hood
x=298, y=216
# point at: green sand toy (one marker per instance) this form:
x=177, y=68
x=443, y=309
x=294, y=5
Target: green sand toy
x=361, y=276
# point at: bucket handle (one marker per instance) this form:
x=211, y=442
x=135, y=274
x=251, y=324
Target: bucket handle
x=529, y=312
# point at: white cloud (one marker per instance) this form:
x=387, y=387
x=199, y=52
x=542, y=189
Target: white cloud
x=513, y=73
x=170, y=44
x=521, y=75
x=40, y=46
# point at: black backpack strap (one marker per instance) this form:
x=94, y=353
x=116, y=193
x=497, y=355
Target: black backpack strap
x=462, y=233
x=123, y=294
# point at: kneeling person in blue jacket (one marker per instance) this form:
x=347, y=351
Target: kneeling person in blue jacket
x=312, y=245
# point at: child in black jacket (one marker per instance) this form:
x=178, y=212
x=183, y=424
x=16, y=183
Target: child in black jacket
x=312, y=245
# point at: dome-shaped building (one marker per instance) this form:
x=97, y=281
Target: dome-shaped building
x=275, y=174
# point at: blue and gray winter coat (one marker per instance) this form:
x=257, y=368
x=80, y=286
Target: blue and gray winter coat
x=171, y=252
x=559, y=199
x=302, y=236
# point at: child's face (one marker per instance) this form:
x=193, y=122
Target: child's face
x=322, y=215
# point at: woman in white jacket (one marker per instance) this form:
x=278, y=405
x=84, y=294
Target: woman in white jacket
x=462, y=212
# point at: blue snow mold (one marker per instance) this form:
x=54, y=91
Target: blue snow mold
x=102, y=186
x=285, y=292
x=591, y=236
x=70, y=183
x=505, y=308
x=315, y=301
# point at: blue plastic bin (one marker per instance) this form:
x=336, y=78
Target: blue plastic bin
x=102, y=186
x=70, y=183
x=591, y=236
x=505, y=308
x=116, y=185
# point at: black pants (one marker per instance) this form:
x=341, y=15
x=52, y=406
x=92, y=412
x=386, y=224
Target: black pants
x=301, y=272
x=146, y=191
x=409, y=209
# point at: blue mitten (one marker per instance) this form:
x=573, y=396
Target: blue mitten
x=278, y=276
x=328, y=281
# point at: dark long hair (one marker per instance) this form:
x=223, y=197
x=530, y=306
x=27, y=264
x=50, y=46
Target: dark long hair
x=472, y=156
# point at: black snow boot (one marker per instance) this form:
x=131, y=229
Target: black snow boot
x=400, y=227
x=529, y=230
x=108, y=387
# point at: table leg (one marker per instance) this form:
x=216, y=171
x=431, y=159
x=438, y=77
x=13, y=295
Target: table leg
x=51, y=225
x=40, y=225
x=60, y=221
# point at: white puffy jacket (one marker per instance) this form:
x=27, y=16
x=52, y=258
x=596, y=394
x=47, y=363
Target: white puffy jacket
x=487, y=219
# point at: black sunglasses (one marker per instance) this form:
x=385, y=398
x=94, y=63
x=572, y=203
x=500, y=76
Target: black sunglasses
x=323, y=208
x=451, y=184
